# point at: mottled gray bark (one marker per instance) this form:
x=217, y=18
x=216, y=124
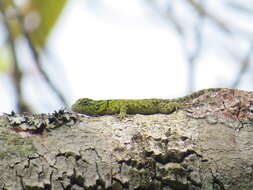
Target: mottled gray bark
x=206, y=145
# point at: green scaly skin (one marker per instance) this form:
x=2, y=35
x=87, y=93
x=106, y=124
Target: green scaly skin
x=122, y=107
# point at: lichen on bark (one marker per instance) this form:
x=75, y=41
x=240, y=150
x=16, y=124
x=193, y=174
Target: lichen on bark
x=13, y=145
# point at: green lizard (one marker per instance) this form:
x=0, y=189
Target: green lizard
x=131, y=106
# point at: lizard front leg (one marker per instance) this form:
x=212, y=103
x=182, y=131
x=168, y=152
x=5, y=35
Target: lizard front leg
x=122, y=111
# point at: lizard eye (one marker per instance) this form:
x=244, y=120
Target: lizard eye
x=85, y=101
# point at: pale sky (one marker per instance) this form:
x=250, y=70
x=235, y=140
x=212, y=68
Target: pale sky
x=125, y=53
x=121, y=56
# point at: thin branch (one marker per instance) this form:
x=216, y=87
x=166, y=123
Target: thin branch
x=244, y=67
x=240, y=7
x=202, y=11
x=192, y=57
x=219, y=22
x=36, y=58
x=17, y=73
x=42, y=71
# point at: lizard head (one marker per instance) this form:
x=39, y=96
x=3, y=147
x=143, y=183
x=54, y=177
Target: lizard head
x=90, y=107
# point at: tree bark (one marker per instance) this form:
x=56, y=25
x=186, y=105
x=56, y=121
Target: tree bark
x=206, y=145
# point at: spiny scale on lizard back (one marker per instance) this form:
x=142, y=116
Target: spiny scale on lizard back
x=195, y=94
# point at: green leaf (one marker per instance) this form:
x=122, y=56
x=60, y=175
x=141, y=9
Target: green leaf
x=40, y=18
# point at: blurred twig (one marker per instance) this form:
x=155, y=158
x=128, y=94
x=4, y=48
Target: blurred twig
x=228, y=28
x=17, y=73
x=191, y=54
x=203, y=12
x=36, y=58
x=239, y=7
x=244, y=67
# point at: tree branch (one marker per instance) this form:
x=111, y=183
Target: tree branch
x=17, y=73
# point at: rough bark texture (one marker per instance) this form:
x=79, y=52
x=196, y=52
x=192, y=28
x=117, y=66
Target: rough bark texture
x=207, y=145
